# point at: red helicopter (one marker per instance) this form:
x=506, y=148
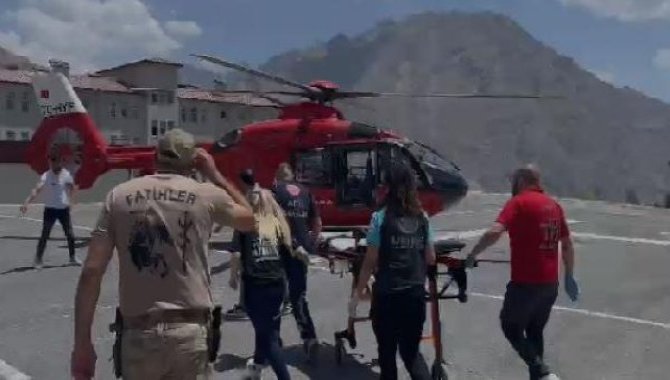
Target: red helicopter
x=341, y=161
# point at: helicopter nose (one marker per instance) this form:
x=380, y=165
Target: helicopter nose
x=450, y=184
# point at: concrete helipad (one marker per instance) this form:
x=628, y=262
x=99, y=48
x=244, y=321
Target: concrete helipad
x=619, y=330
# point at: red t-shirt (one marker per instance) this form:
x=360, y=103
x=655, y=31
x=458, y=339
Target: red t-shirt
x=535, y=224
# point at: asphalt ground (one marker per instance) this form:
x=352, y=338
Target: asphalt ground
x=620, y=329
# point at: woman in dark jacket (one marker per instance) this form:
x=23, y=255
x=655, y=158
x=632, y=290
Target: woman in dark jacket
x=400, y=249
x=263, y=254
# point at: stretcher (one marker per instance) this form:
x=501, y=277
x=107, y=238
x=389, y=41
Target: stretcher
x=449, y=270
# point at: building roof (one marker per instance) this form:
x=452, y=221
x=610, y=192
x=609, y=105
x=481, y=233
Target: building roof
x=161, y=61
x=16, y=76
x=98, y=83
x=87, y=82
x=109, y=84
x=223, y=97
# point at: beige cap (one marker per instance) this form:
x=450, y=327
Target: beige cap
x=176, y=149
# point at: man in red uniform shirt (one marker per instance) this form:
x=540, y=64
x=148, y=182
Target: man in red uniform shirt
x=536, y=225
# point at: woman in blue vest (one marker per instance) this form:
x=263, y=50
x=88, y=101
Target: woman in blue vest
x=400, y=249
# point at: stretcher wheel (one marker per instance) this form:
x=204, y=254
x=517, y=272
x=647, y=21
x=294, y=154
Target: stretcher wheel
x=439, y=372
x=339, y=351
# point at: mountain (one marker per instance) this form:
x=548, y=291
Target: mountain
x=600, y=141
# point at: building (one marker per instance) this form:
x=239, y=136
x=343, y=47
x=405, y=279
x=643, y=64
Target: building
x=132, y=104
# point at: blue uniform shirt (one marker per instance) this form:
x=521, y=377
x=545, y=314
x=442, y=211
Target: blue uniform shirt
x=374, y=232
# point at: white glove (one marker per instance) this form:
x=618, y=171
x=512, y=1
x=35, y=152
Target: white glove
x=353, y=305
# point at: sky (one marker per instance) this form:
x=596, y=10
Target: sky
x=624, y=42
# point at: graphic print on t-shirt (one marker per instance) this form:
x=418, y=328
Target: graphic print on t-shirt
x=149, y=236
x=186, y=224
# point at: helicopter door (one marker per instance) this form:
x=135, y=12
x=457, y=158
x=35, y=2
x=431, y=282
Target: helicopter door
x=356, y=176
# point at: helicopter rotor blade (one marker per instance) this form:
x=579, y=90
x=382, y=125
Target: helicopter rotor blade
x=258, y=73
x=361, y=94
x=252, y=92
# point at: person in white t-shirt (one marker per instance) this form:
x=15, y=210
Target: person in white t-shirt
x=58, y=187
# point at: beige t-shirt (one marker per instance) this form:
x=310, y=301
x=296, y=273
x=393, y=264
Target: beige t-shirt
x=160, y=226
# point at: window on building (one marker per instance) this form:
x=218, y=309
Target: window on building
x=183, y=115
x=11, y=135
x=203, y=115
x=112, y=110
x=9, y=103
x=25, y=136
x=163, y=127
x=25, y=102
x=154, y=128
x=223, y=114
x=134, y=112
x=170, y=125
x=170, y=98
x=194, y=115
x=163, y=98
x=154, y=98
x=124, y=110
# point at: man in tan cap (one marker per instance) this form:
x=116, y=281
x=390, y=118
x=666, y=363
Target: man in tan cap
x=160, y=226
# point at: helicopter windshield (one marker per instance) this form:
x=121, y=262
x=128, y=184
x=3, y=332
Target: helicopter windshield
x=429, y=157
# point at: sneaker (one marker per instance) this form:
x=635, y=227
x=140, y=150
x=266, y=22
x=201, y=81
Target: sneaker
x=253, y=371
x=311, y=347
x=550, y=376
x=74, y=262
x=287, y=309
x=237, y=312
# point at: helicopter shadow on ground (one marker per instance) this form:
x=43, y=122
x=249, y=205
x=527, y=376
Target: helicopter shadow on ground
x=324, y=369
x=229, y=362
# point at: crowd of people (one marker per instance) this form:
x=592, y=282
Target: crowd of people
x=168, y=322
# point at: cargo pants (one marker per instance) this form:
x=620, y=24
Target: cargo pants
x=175, y=351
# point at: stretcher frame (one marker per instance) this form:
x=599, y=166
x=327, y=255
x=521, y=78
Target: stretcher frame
x=353, y=256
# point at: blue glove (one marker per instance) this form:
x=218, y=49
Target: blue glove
x=571, y=287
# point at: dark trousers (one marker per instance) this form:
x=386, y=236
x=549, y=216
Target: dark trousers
x=296, y=272
x=397, y=321
x=263, y=306
x=51, y=215
x=524, y=315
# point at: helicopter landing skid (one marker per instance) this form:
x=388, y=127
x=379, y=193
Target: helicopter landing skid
x=352, y=256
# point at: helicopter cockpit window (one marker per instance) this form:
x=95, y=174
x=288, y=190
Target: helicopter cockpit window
x=394, y=153
x=361, y=173
x=313, y=168
x=428, y=156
